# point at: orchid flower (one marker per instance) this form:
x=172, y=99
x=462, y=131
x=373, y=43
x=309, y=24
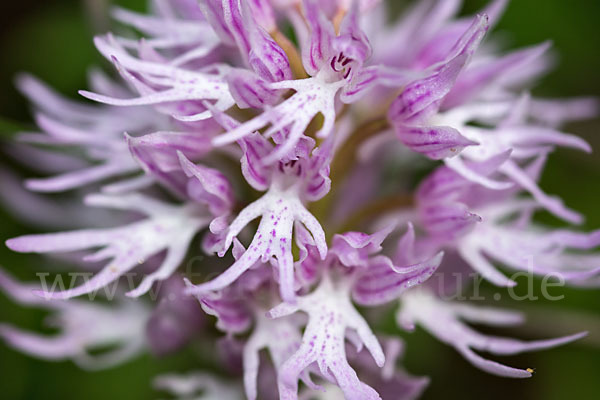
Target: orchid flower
x=330, y=313
x=171, y=32
x=84, y=327
x=179, y=84
x=166, y=228
x=483, y=224
x=98, y=131
x=335, y=64
x=444, y=322
x=289, y=184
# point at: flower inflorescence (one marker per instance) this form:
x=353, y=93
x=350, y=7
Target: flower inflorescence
x=310, y=123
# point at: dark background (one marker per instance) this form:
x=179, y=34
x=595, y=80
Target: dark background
x=52, y=40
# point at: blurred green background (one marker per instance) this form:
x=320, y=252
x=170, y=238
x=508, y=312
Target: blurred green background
x=52, y=40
